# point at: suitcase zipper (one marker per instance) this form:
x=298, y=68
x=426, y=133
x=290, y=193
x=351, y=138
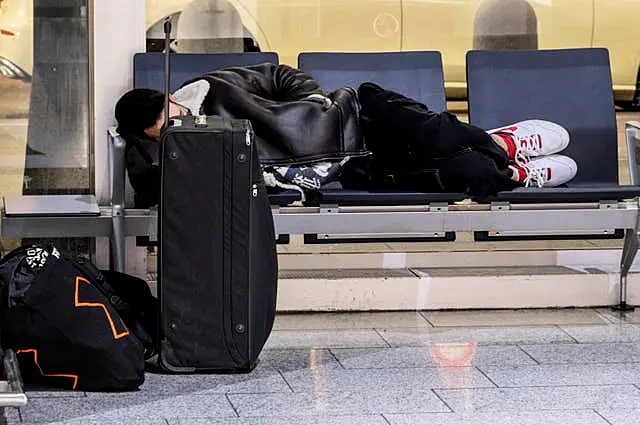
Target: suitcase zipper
x=254, y=194
x=230, y=327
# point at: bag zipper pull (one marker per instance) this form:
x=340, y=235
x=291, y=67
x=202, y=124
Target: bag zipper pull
x=254, y=192
x=248, y=137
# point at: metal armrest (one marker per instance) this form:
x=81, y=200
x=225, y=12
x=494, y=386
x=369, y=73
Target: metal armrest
x=117, y=168
x=632, y=134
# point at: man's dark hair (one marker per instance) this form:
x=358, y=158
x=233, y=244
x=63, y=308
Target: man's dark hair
x=138, y=109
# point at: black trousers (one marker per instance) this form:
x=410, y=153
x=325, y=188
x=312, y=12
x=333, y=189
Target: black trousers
x=415, y=148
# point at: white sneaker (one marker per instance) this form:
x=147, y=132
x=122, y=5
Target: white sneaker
x=532, y=138
x=546, y=171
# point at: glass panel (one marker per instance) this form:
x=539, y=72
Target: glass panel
x=44, y=97
x=452, y=27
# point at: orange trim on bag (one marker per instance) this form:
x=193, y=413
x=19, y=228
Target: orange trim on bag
x=116, y=335
x=35, y=359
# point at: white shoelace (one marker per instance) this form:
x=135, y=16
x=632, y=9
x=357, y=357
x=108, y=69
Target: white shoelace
x=535, y=175
x=521, y=158
x=533, y=143
x=272, y=181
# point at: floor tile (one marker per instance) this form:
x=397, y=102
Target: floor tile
x=123, y=407
x=610, y=333
x=414, y=379
x=261, y=380
x=514, y=317
x=296, y=359
x=319, y=402
x=622, y=416
x=540, y=398
x=572, y=417
x=286, y=420
x=584, y=353
x=504, y=336
x=448, y=354
x=324, y=339
x=563, y=374
x=350, y=321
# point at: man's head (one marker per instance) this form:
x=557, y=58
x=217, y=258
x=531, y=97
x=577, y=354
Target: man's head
x=141, y=111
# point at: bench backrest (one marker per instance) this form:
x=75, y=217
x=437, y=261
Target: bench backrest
x=148, y=68
x=415, y=74
x=572, y=87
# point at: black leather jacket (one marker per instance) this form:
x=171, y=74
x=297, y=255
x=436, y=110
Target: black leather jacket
x=289, y=128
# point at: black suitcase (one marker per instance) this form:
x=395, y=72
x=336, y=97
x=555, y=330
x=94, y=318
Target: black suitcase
x=217, y=264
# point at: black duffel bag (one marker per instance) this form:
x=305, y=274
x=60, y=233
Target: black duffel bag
x=72, y=325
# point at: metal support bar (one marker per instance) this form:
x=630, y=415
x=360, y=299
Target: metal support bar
x=135, y=223
x=631, y=241
x=629, y=251
x=561, y=220
x=632, y=128
x=117, y=182
x=117, y=239
x=306, y=220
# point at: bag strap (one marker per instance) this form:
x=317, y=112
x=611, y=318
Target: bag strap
x=97, y=279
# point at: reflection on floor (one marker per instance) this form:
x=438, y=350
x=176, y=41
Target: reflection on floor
x=551, y=367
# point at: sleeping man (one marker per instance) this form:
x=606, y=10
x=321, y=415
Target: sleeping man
x=370, y=138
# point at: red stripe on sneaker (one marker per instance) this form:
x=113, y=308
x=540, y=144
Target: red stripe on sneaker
x=521, y=173
x=510, y=142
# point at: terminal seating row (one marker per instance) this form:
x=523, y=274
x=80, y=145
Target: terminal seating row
x=570, y=86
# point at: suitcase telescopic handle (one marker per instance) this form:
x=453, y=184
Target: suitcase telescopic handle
x=167, y=69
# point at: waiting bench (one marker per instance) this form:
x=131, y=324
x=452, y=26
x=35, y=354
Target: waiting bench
x=592, y=205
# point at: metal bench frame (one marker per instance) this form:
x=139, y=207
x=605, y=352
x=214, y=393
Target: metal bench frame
x=118, y=222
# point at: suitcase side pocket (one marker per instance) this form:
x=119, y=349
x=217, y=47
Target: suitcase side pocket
x=239, y=293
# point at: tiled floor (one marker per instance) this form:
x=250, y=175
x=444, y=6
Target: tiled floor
x=530, y=367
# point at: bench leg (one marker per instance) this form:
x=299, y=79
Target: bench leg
x=118, y=249
x=629, y=251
